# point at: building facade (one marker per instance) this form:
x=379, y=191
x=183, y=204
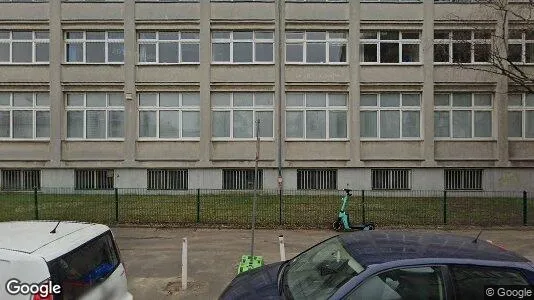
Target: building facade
x=164, y=95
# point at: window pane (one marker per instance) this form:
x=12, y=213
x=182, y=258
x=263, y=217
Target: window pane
x=74, y=52
x=95, y=52
x=441, y=124
x=461, y=124
x=4, y=52
x=147, y=52
x=220, y=126
x=243, y=124
x=294, y=53
x=41, y=52
x=169, y=35
x=482, y=100
x=410, y=53
x=147, y=124
x=243, y=99
x=22, y=124
x=220, y=34
x=389, y=100
x=168, y=124
x=148, y=99
x=316, y=35
x=221, y=52
x=482, y=52
x=168, y=52
x=116, y=52
x=119, y=35
x=4, y=124
x=389, y=35
x=96, y=124
x=315, y=100
x=411, y=99
x=441, y=52
x=461, y=52
x=220, y=99
x=264, y=34
x=116, y=99
x=338, y=124
x=294, y=99
x=515, y=124
x=22, y=52
x=410, y=124
x=461, y=35
x=389, y=124
x=75, y=124
x=515, y=34
x=529, y=53
x=529, y=124
x=5, y=99
x=95, y=35
x=242, y=35
x=529, y=100
x=190, y=124
x=461, y=100
x=368, y=124
x=263, y=99
x=294, y=122
x=264, y=52
x=338, y=52
x=368, y=53
x=316, y=52
x=441, y=99
x=23, y=99
x=315, y=124
x=191, y=99
x=96, y=100
x=368, y=100
x=266, y=123
x=75, y=99
x=515, y=100
x=42, y=127
x=42, y=99
x=515, y=52
x=190, y=53
x=116, y=124
x=169, y=100
x=389, y=53
x=337, y=99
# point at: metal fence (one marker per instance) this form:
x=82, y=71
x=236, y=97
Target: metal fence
x=287, y=208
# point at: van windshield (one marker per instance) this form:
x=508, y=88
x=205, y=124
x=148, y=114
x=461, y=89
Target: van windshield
x=84, y=267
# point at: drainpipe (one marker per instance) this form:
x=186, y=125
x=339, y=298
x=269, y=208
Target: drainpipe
x=281, y=60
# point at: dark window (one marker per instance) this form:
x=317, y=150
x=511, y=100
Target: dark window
x=84, y=267
x=94, y=179
x=390, y=179
x=316, y=179
x=463, y=179
x=469, y=281
x=167, y=179
x=21, y=180
x=241, y=179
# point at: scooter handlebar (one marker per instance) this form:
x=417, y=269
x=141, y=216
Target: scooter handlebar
x=348, y=191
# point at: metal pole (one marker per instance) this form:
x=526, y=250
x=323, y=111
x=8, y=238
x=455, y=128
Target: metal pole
x=116, y=205
x=36, y=203
x=525, y=209
x=255, y=185
x=184, y=263
x=282, y=248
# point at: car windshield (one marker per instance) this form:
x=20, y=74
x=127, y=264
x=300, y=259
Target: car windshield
x=319, y=272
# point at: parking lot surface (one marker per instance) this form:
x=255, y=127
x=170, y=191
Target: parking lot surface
x=153, y=256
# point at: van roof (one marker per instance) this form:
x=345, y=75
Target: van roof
x=29, y=236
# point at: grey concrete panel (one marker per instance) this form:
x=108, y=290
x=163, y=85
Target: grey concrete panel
x=205, y=179
x=242, y=151
x=427, y=179
x=392, y=11
x=92, y=73
x=319, y=150
x=167, y=11
x=317, y=11
x=506, y=179
x=243, y=11
x=521, y=150
x=130, y=178
x=57, y=178
x=36, y=151
x=450, y=73
x=315, y=73
x=392, y=150
x=466, y=150
x=243, y=73
x=160, y=150
x=24, y=11
x=455, y=12
x=375, y=74
x=91, y=11
x=356, y=179
x=92, y=150
x=24, y=73
x=176, y=73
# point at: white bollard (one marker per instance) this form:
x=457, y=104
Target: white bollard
x=184, y=263
x=282, y=248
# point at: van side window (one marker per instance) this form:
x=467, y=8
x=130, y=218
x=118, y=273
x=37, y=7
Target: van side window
x=84, y=267
x=469, y=281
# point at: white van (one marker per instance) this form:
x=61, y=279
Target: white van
x=60, y=261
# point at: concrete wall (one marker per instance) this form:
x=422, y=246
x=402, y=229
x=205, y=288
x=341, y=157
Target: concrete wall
x=130, y=178
x=205, y=179
x=57, y=178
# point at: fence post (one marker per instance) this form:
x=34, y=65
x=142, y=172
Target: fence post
x=363, y=206
x=36, y=203
x=445, y=207
x=198, y=205
x=116, y=205
x=525, y=209
x=280, y=207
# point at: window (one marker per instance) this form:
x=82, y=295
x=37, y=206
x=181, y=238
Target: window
x=521, y=116
x=316, y=47
x=94, y=179
x=405, y=283
x=24, y=47
x=460, y=1
x=389, y=46
x=462, y=46
x=470, y=282
x=234, y=115
x=463, y=179
x=24, y=115
x=96, y=115
x=391, y=179
x=167, y=179
x=168, y=47
x=81, y=269
x=316, y=179
x=169, y=115
x=241, y=179
x=316, y=116
x=16, y=180
x=390, y=116
x=94, y=46
x=521, y=46
x=463, y=115
x=242, y=47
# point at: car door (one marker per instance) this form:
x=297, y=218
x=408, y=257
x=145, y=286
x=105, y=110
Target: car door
x=406, y=283
x=471, y=282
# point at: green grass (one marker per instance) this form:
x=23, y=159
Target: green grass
x=234, y=209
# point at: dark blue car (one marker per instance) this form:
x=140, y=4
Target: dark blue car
x=390, y=265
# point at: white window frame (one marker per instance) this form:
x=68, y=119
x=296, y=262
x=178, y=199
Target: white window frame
x=84, y=108
x=84, y=42
x=254, y=108
x=157, y=109
x=401, y=108
x=523, y=109
x=34, y=40
x=523, y=42
x=327, y=108
x=34, y=109
x=472, y=41
x=450, y=108
x=377, y=41
x=232, y=40
x=156, y=41
x=328, y=40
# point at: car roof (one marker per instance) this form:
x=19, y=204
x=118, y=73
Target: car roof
x=29, y=236
x=378, y=246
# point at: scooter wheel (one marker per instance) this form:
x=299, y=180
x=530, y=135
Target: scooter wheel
x=336, y=225
x=371, y=227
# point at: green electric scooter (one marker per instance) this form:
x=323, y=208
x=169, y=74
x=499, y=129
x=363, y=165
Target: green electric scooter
x=343, y=223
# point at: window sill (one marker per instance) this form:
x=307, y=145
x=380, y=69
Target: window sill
x=521, y=139
x=391, y=139
x=416, y=64
x=241, y=140
x=93, y=140
x=315, y=140
x=91, y=64
x=168, y=64
x=465, y=140
x=315, y=64
x=7, y=140
x=24, y=64
x=168, y=140
x=242, y=64
x=462, y=64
